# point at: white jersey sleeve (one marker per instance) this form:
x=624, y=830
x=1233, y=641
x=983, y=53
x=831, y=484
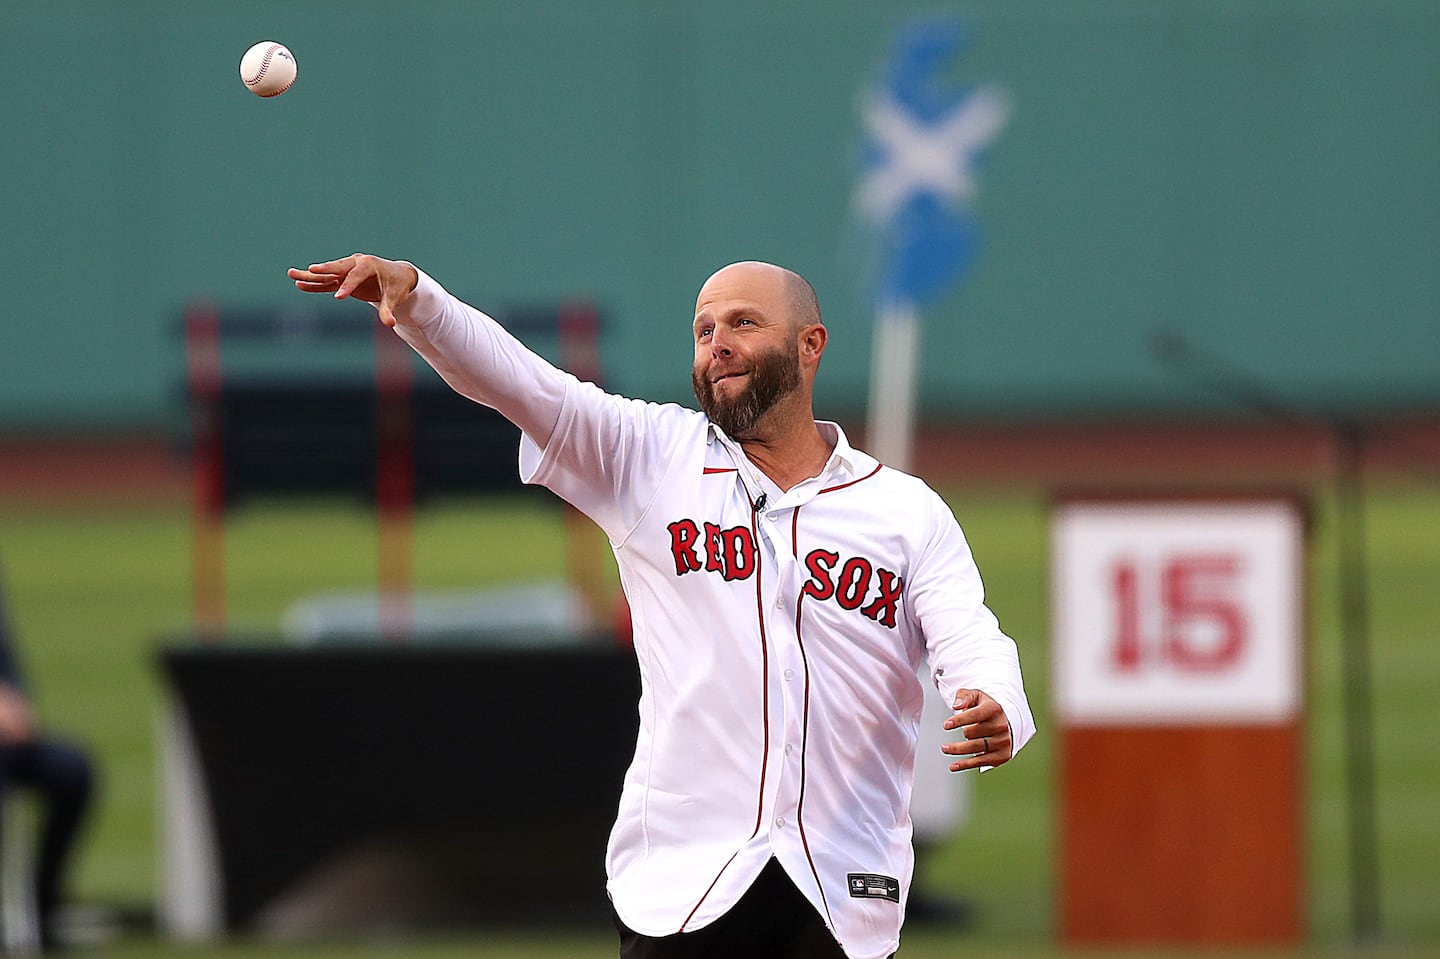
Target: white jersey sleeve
x=481, y=360
x=964, y=643
x=608, y=456
x=582, y=442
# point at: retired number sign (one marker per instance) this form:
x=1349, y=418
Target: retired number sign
x=1177, y=611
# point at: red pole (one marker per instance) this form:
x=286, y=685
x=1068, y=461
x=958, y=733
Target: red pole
x=394, y=482
x=207, y=471
x=579, y=328
x=579, y=334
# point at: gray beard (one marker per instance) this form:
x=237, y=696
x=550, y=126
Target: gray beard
x=776, y=374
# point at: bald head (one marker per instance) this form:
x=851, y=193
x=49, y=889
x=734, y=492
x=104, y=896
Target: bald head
x=801, y=300
x=773, y=285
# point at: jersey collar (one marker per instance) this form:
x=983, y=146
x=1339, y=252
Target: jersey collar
x=844, y=458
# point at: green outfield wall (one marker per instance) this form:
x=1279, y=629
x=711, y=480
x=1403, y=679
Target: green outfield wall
x=1259, y=176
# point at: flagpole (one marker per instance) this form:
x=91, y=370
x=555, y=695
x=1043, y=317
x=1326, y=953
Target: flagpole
x=890, y=421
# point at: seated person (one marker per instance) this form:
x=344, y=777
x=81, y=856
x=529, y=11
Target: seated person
x=58, y=773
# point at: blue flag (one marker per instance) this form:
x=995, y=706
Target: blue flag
x=926, y=140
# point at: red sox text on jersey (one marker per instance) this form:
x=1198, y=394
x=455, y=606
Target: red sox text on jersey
x=730, y=552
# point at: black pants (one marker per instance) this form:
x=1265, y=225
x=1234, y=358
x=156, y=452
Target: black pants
x=773, y=920
x=61, y=775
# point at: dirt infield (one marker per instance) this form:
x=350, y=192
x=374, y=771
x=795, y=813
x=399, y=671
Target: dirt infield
x=91, y=470
x=145, y=470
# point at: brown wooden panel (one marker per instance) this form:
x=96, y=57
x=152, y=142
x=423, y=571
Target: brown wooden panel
x=1180, y=834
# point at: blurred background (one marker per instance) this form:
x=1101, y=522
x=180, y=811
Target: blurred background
x=1195, y=248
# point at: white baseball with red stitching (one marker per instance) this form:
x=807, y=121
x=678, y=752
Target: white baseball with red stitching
x=268, y=68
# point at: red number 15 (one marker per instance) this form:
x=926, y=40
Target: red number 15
x=1201, y=625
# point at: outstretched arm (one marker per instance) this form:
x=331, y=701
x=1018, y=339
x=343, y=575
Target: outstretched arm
x=473, y=353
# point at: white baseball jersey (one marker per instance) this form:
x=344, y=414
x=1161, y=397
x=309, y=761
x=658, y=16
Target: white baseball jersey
x=778, y=634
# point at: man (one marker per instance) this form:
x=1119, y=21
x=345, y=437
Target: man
x=784, y=588
x=58, y=772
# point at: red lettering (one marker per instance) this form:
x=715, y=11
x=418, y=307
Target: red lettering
x=729, y=552
x=1127, y=619
x=882, y=609
x=739, y=553
x=1200, y=618
x=712, y=549
x=1194, y=588
x=683, y=535
x=854, y=582
x=850, y=588
x=820, y=562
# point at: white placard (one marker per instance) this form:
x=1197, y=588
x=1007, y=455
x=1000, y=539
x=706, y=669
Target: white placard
x=1177, y=612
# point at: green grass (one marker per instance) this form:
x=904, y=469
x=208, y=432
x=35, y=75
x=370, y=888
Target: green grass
x=92, y=592
x=931, y=944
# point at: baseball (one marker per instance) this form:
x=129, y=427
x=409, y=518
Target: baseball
x=268, y=69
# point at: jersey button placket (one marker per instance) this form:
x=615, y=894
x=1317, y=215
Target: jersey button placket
x=778, y=553
x=774, y=532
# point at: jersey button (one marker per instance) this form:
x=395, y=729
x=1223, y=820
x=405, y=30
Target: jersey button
x=789, y=675
x=779, y=822
x=789, y=748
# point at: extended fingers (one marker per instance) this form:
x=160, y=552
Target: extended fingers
x=322, y=277
x=312, y=283
x=980, y=750
x=982, y=741
x=385, y=283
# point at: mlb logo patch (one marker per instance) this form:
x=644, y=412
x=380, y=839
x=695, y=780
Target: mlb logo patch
x=868, y=885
